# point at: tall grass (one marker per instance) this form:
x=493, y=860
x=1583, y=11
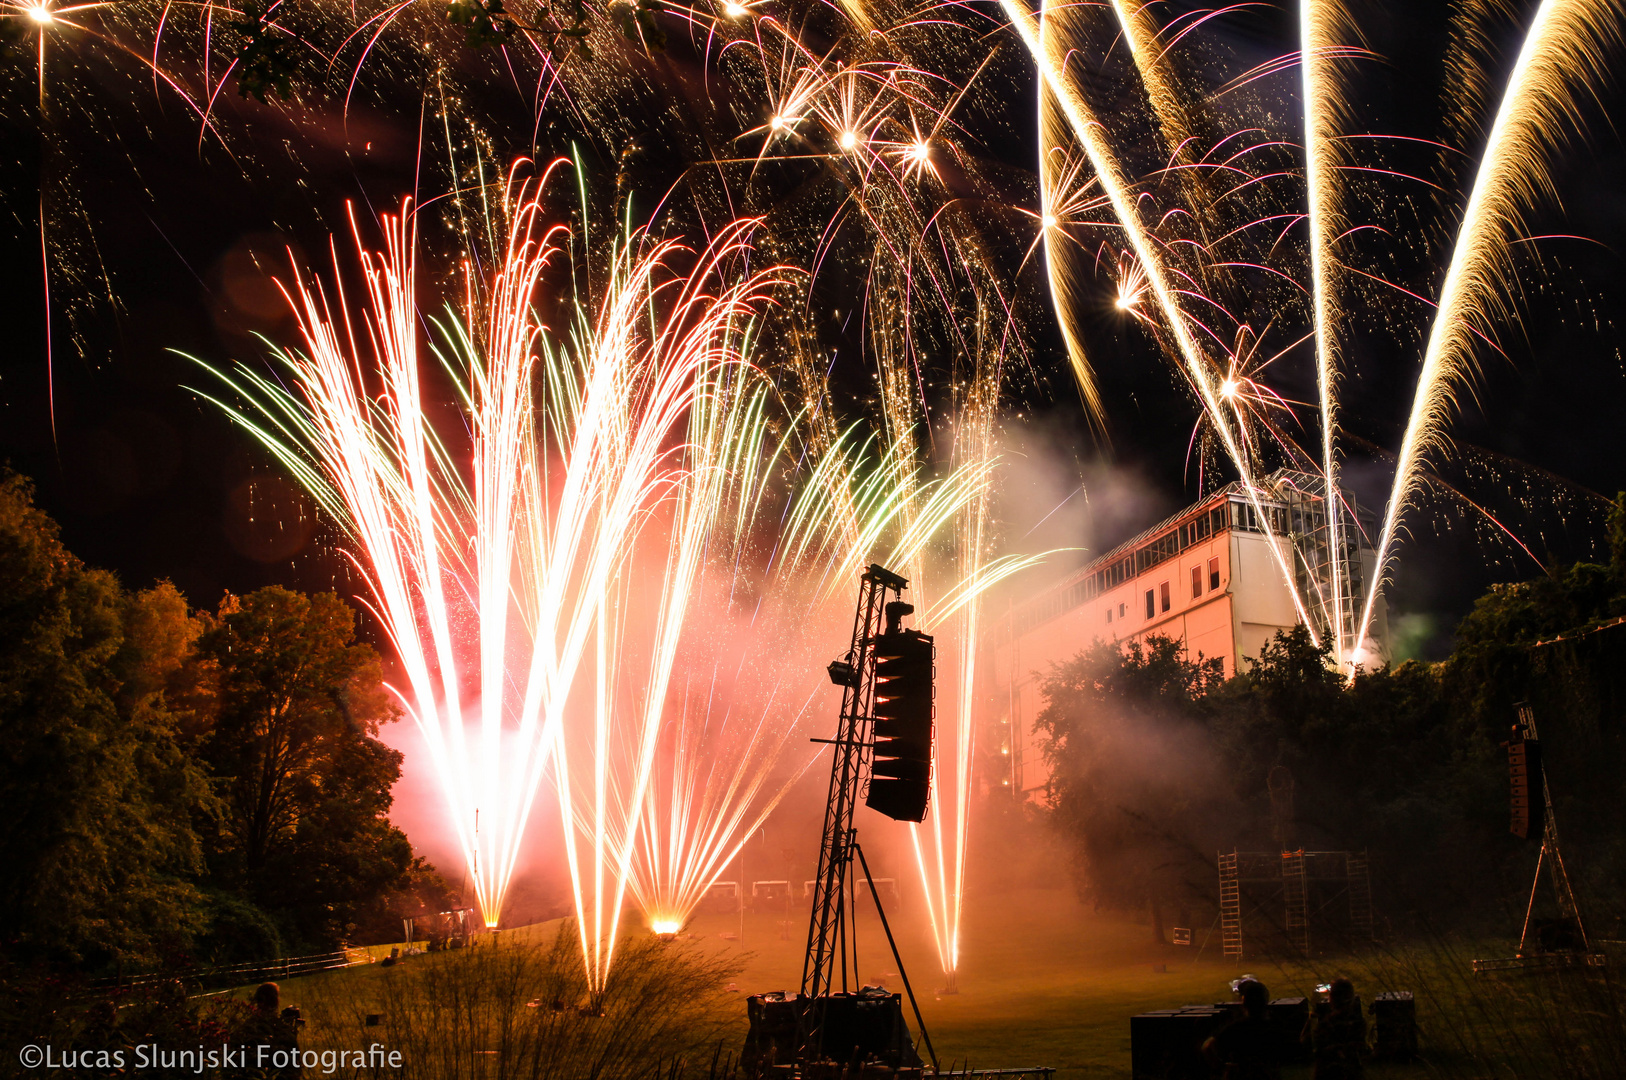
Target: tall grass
x=1563, y=1024
x=506, y=1011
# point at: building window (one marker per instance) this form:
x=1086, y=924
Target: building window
x=1163, y=591
x=1196, y=582
x=1213, y=574
x=1123, y=610
x=1109, y=615
x=1151, y=604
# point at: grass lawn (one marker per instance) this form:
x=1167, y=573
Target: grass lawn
x=1042, y=982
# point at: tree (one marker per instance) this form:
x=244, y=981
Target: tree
x=1555, y=643
x=423, y=890
x=1380, y=765
x=304, y=781
x=99, y=844
x=1133, y=772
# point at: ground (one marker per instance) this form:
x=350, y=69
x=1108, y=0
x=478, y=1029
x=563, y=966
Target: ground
x=1042, y=982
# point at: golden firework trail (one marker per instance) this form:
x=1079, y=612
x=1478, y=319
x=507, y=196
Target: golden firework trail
x=1566, y=42
x=942, y=860
x=1092, y=137
x=1141, y=33
x=1319, y=25
x=1060, y=195
x=940, y=843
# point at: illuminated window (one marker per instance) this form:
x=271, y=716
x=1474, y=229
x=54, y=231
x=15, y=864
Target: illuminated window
x=1213, y=574
x=1163, y=593
x=1196, y=582
x=1151, y=604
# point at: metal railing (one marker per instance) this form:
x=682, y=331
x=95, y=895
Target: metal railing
x=287, y=967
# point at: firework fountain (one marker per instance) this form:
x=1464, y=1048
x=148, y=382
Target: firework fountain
x=529, y=540
x=433, y=536
x=1563, y=49
x=674, y=359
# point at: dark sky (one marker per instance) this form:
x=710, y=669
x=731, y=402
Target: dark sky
x=150, y=482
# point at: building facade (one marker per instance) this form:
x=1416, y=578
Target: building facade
x=1211, y=577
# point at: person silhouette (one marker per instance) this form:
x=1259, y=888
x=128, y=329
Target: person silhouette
x=1245, y=1048
x=1336, y=1034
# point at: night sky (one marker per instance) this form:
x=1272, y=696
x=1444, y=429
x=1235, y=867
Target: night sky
x=149, y=481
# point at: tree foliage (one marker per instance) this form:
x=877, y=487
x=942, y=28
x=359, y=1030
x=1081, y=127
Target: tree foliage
x=1139, y=832
x=99, y=848
x=1157, y=763
x=305, y=782
x=183, y=785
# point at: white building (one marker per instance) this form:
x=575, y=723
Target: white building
x=1210, y=576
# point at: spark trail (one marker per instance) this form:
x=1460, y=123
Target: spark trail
x=1565, y=43
x=1318, y=24
x=667, y=343
x=1091, y=136
x=532, y=545
x=434, y=544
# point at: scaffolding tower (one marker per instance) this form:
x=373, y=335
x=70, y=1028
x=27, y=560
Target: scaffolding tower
x=1287, y=894
x=1360, y=896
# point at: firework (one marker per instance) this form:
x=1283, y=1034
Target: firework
x=1091, y=135
x=538, y=560
x=532, y=542
x=1318, y=21
x=1565, y=43
x=432, y=543
x=667, y=348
